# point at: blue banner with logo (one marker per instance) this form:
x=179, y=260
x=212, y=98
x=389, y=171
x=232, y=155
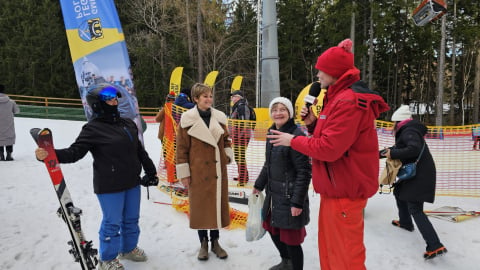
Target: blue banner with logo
x=99, y=52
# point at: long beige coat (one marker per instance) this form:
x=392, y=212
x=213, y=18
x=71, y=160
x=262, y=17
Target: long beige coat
x=203, y=154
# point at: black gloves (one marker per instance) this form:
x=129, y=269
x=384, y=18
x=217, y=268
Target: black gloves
x=149, y=180
x=382, y=153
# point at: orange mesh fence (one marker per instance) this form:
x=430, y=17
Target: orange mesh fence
x=451, y=146
x=248, y=144
x=169, y=143
x=166, y=169
x=456, y=160
x=238, y=219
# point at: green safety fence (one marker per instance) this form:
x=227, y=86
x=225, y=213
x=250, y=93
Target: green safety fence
x=50, y=112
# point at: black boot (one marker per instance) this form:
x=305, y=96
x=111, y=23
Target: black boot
x=9, y=156
x=2, y=156
x=286, y=264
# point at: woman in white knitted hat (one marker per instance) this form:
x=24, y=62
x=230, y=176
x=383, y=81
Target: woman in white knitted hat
x=411, y=194
x=285, y=177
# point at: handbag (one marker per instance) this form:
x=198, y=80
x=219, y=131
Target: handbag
x=254, y=229
x=409, y=170
x=390, y=172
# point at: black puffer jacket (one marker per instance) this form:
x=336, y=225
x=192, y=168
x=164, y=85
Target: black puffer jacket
x=118, y=154
x=408, y=145
x=286, y=176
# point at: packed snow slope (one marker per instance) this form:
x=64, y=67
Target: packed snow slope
x=33, y=237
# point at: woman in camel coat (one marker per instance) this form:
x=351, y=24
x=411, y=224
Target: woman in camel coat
x=203, y=152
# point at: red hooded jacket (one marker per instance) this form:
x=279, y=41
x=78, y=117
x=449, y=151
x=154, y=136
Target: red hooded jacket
x=344, y=145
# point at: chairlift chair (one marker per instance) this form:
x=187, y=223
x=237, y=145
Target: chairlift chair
x=429, y=10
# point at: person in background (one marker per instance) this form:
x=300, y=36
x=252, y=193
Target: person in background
x=476, y=137
x=160, y=118
x=118, y=158
x=411, y=194
x=241, y=134
x=184, y=100
x=344, y=152
x=203, y=152
x=8, y=108
x=111, y=79
x=285, y=177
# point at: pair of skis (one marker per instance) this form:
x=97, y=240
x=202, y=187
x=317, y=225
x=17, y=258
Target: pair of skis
x=234, y=196
x=81, y=249
x=452, y=213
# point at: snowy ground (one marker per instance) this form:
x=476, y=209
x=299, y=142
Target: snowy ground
x=32, y=237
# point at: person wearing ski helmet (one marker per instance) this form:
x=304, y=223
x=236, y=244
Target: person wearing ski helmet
x=103, y=100
x=118, y=158
x=183, y=99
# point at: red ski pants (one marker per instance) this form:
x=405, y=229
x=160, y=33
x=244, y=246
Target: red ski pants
x=340, y=234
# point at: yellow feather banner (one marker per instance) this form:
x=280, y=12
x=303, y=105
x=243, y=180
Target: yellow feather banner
x=176, y=80
x=211, y=78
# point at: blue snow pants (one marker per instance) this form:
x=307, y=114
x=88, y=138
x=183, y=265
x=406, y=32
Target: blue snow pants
x=119, y=230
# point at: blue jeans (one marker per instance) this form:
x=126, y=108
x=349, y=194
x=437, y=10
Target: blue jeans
x=119, y=230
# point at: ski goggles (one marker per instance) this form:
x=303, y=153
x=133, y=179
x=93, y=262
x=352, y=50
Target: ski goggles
x=108, y=93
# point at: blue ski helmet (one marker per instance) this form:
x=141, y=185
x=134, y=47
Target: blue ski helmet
x=100, y=93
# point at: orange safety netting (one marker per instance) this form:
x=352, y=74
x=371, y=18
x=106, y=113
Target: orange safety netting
x=248, y=147
x=451, y=146
x=456, y=161
x=169, y=141
x=238, y=219
x=167, y=171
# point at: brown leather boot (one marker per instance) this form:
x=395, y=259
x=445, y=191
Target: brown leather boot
x=218, y=250
x=203, y=253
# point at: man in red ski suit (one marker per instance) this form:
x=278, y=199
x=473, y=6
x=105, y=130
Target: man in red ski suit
x=344, y=152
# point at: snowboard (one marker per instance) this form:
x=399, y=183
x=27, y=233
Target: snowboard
x=81, y=249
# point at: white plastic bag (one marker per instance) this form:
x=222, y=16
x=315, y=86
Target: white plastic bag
x=255, y=230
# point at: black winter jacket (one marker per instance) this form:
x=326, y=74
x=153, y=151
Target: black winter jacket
x=285, y=176
x=240, y=110
x=408, y=145
x=118, y=154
